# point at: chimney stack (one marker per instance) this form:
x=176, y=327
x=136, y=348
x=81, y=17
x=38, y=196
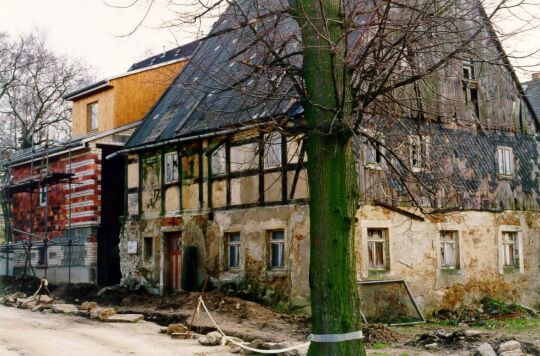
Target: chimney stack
x=536, y=76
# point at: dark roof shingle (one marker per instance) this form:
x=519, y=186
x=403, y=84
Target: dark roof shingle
x=180, y=52
x=227, y=82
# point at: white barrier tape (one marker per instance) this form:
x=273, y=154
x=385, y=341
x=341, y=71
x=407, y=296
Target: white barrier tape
x=354, y=335
x=225, y=338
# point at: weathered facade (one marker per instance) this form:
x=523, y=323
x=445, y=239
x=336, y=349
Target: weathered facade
x=67, y=200
x=207, y=168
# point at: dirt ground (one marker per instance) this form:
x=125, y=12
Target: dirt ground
x=249, y=321
x=27, y=333
x=237, y=317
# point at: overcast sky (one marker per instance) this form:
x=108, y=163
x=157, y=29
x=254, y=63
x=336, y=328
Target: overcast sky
x=91, y=30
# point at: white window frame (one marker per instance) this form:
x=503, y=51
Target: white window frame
x=505, y=161
x=372, y=243
x=468, y=70
x=233, y=245
x=519, y=244
x=421, y=153
x=93, y=120
x=273, y=150
x=218, y=160
x=239, y=157
x=281, y=248
x=456, y=245
x=43, y=195
x=169, y=160
x=373, y=155
x=364, y=269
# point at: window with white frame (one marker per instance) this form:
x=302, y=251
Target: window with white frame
x=171, y=167
x=244, y=157
x=273, y=150
x=510, y=248
x=92, y=113
x=505, y=161
x=233, y=250
x=277, y=249
x=468, y=69
x=218, y=160
x=449, y=249
x=43, y=195
x=418, y=151
x=377, y=241
x=373, y=154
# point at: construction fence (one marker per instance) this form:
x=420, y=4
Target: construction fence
x=58, y=261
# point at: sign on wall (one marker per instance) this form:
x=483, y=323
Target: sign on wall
x=132, y=247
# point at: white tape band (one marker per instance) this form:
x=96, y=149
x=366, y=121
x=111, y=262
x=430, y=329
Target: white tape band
x=354, y=335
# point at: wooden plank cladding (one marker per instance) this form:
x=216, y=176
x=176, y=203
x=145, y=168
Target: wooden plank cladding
x=126, y=99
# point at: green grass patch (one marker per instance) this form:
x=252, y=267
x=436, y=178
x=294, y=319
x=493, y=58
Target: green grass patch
x=380, y=346
x=509, y=324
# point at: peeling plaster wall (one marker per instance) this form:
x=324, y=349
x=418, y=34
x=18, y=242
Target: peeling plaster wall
x=209, y=236
x=414, y=254
x=413, y=251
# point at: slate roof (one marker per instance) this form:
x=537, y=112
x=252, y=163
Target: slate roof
x=226, y=84
x=533, y=93
x=180, y=52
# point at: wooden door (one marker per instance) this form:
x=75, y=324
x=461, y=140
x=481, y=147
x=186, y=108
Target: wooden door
x=175, y=258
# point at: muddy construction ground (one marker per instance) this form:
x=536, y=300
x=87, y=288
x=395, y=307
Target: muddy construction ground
x=516, y=333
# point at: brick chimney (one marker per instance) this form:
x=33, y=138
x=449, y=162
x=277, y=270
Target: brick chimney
x=536, y=76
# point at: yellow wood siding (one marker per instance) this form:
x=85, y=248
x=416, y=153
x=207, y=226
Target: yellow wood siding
x=129, y=99
x=136, y=94
x=105, y=100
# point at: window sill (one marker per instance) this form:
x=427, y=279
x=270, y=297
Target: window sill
x=511, y=270
x=373, y=166
x=505, y=176
x=450, y=270
x=276, y=273
x=378, y=272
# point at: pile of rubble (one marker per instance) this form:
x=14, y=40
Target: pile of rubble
x=459, y=339
x=473, y=340
x=378, y=333
x=214, y=338
x=484, y=309
x=43, y=302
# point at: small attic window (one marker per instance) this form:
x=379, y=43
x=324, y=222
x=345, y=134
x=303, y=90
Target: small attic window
x=231, y=64
x=153, y=61
x=177, y=53
x=468, y=69
x=250, y=82
x=253, y=56
x=217, y=47
x=234, y=41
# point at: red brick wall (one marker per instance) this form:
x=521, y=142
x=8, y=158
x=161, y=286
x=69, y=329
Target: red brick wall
x=84, y=196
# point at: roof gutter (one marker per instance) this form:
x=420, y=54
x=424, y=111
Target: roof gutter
x=87, y=89
x=25, y=160
x=184, y=139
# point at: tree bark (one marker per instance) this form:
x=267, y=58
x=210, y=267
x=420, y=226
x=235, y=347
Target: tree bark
x=333, y=187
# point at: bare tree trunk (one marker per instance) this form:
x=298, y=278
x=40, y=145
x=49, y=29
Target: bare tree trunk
x=333, y=187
